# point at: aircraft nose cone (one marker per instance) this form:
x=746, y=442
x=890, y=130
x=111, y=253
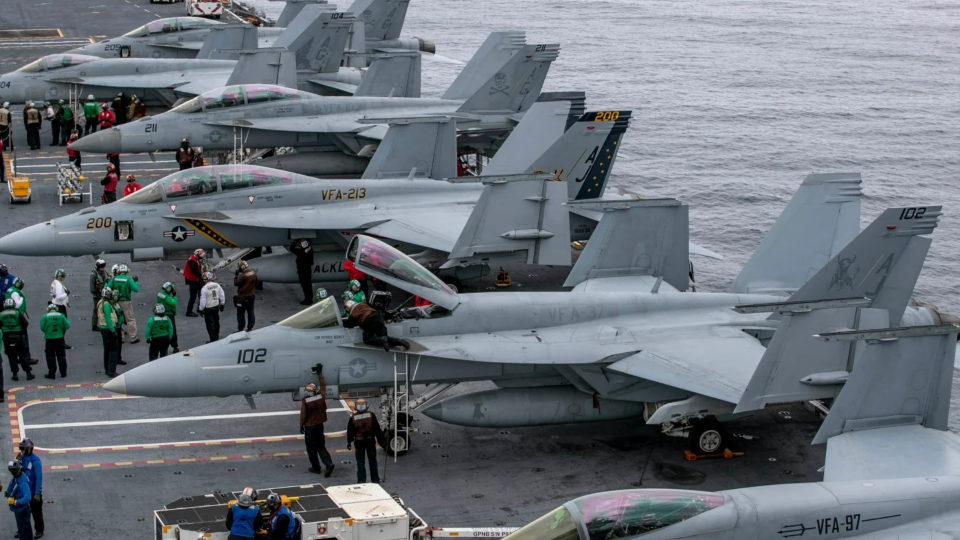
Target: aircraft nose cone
x=34, y=241
x=101, y=142
x=171, y=376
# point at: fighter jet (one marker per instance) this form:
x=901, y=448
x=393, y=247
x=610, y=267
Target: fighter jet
x=890, y=468
x=183, y=37
x=335, y=127
x=623, y=343
x=401, y=197
x=316, y=42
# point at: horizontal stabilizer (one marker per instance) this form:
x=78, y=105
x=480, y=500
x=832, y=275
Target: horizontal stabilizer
x=223, y=42
x=637, y=238
x=391, y=75
x=421, y=147
x=265, y=66
x=821, y=218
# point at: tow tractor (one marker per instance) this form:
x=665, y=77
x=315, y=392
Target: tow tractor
x=206, y=8
x=352, y=512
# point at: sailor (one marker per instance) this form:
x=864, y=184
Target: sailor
x=246, y=281
x=51, y=117
x=125, y=285
x=354, y=274
x=18, y=498
x=364, y=431
x=15, y=292
x=114, y=159
x=243, y=518
x=33, y=468
x=6, y=279
x=167, y=297
x=12, y=326
x=54, y=325
x=131, y=187
x=303, y=252
x=119, y=108
x=91, y=111
x=106, y=118
x=115, y=304
x=132, y=108
x=211, y=305
x=374, y=329
x=6, y=120
x=73, y=156
x=32, y=119
x=313, y=414
x=109, y=184
x=64, y=118
x=107, y=321
x=192, y=275
x=59, y=295
x=185, y=155
x=98, y=280
x=283, y=525
x=159, y=332
x=353, y=294
x=321, y=294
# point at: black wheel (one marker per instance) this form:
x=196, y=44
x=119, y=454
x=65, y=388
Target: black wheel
x=397, y=443
x=452, y=282
x=403, y=419
x=707, y=437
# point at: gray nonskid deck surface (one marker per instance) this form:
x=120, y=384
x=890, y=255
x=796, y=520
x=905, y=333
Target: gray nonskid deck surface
x=108, y=477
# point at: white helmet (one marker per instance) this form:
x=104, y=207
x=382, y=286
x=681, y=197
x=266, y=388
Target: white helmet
x=101, y=263
x=208, y=276
x=115, y=268
x=123, y=269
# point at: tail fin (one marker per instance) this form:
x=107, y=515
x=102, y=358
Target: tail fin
x=316, y=26
x=636, y=238
x=882, y=263
x=395, y=74
x=382, y=19
x=416, y=147
x=224, y=42
x=492, y=55
x=516, y=219
x=265, y=66
x=293, y=8
x=516, y=86
x=583, y=156
x=821, y=218
x=796, y=365
x=539, y=129
x=902, y=376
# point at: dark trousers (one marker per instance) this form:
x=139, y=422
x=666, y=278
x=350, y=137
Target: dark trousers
x=65, y=130
x=303, y=276
x=33, y=136
x=3, y=169
x=55, y=131
x=174, y=342
x=36, y=509
x=22, y=515
x=56, y=357
x=185, y=166
x=211, y=317
x=158, y=347
x=90, y=126
x=246, y=307
x=119, y=336
x=109, y=197
x=116, y=163
x=17, y=354
x=77, y=161
x=375, y=332
x=316, y=447
x=109, y=350
x=62, y=309
x=194, y=292
x=366, y=451
x=93, y=320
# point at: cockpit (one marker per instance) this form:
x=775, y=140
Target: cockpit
x=617, y=515
x=323, y=314
x=234, y=96
x=171, y=25
x=207, y=180
x=56, y=61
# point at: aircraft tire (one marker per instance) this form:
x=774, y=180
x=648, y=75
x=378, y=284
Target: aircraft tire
x=453, y=283
x=707, y=436
x=397, y=443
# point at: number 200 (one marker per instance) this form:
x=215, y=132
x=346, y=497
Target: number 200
x=249, y=356
x=99, y=223
x=607, y=116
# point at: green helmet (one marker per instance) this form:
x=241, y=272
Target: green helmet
x=321, y=294
x=9, y=303
x=115, y=296
x=106, y=293
x=168, y=288
x=59, y=273
x=18, y=283
x=354, y=285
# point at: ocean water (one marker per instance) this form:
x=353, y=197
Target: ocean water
x=735, y=101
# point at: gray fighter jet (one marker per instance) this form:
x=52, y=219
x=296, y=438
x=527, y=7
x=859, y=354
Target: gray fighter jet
x=183, y=37
x=334, y=130
x=624, y=343
x=316, y=42
x=399, y=197
x=890, y=468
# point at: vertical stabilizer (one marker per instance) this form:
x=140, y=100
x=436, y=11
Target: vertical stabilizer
x=224, y=42
x=636, y=238
x=822, y=217
x=395, y=74
x=292, y=9
x=517, y=84
x=902, y=376
x=492, y=55
x=265, y=66
x=382, y=19
x=327, y=52
x=303, y=34
x=416, y=147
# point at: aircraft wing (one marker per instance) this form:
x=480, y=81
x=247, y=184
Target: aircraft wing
x=894, y=452
x=717, y=362
x=147, y=80
x=298, y=124
x=335, y=85
x=183, y=45
x=624, y=284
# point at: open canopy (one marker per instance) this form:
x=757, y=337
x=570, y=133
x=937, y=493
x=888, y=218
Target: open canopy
x=382, y=261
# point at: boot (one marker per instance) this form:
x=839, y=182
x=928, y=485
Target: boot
x=31, y=376
x=51, y=375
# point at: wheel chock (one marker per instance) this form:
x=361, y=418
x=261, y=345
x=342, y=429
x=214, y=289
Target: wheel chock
x=726, y=454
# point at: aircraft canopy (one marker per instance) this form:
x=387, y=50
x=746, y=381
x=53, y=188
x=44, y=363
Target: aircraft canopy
x=170, y=25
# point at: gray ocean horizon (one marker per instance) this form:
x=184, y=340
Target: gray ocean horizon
x=734, y=102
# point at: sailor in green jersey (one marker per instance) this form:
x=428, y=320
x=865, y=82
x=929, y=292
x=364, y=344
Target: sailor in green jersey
x=167, y=297
x=125, y=286
x=107, y=321
x=54, y=325
x=159, y=332
x=12, y=325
